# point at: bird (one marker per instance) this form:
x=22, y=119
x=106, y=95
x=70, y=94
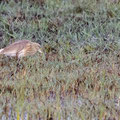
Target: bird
x=21, y=48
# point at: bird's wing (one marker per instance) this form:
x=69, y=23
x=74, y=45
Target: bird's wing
x=15, y=47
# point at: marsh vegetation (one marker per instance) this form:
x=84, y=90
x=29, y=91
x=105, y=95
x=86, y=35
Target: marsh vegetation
x=78, y=77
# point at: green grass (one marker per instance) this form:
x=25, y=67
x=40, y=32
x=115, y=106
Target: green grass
x=77, y=78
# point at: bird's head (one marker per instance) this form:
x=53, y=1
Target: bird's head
x=38, y=47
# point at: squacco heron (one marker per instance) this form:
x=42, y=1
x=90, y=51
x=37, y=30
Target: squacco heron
x=21, y=49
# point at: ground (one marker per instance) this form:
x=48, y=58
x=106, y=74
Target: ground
x=78, y=76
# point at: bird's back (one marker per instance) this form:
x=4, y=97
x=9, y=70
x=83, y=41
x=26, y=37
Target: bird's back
x=15, y=47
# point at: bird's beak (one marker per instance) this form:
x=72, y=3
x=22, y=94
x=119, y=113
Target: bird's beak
x=40, y=51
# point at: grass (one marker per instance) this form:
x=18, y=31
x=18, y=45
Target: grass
x=78, y=75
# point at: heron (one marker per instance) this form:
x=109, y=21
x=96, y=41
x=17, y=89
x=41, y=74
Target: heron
x=21, y=48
